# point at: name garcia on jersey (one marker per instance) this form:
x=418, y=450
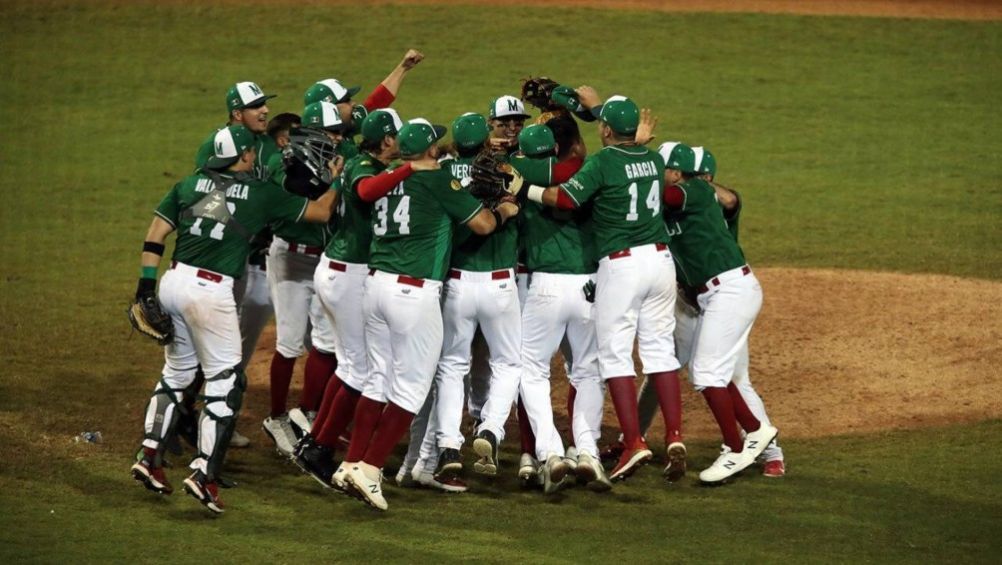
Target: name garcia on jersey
x=238, y=191
x=641, y=170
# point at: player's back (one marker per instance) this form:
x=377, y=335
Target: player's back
x=701, y=242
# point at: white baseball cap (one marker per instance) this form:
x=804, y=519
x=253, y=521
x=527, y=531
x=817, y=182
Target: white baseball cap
x=507, y=106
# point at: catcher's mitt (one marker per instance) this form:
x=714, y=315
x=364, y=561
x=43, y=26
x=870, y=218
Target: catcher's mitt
x=492, y=178
x=149, y=318
x=538, y=91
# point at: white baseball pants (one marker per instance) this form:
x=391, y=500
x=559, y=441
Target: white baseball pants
x=340, y=288
x=290, y=277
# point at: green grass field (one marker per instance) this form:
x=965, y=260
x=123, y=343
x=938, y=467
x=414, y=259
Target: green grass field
x=858, y=143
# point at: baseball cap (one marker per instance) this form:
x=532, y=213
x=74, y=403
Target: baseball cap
x=323, y=115
x=417, y=136
x=621, y=114
x=706, y=163
x=566, y=97
x=381, y=123
x=536, y=140
x=228, y=145
x=507, y=106
x=678, y=156
x=470, y=130
x=329, y=90
x=245, y=95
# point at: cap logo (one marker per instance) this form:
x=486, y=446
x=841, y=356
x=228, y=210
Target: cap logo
x=255, y=89
x=513, y=105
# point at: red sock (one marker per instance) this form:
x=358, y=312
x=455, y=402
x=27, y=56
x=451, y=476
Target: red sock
x=624, y=399
x=340, y=414
x=723, y=411
x=525, y=430
x=281, y=376
x=392, y=426
x=333, y=385
x=749, y=423
x=669, y=393
x=572, y=393
x=319, y=368
x=367, y=413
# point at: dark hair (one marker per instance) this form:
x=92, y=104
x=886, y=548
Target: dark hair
x=465, y=152
x=370, y=146
x=689, y=176
x=623, y=136
x=283, y=122
x=565, y=133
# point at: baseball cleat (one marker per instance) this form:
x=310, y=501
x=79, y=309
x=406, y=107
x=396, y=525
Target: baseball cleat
x=554, y=472
x=316, y=461
x=239, y=440
x=450, y=464
x=367, y=481
x=280, y=432
x=675, y=469
x=338, y=482
x=757, y=441
x=612, y=452
x=447, y=484
x=571, y=458
x=630, y=461
x=153, y=478
x=486, y=446
x=405, y=479
x=204, y=491
x=301, y=421
x=727, y=465
x=528, y=469
x=774, y=469
x=590, y=472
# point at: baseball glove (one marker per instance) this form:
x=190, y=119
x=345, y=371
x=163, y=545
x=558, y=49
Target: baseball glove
x=493, y=179
x=538, y=91
x=149, y=318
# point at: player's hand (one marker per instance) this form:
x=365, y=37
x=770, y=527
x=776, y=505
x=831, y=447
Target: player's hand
x=336, y=165
x=507, y=208
x=588, y=96
x=501, y=143
x=645, y=130
x=411, y=59
x=426, y=164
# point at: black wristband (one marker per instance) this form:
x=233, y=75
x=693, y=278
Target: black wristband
x=497, y=219
x=146, y=287
x=154, y=248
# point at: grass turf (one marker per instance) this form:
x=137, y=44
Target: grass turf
x=861, y=143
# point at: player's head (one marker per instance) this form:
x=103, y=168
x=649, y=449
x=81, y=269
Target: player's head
x=232, y=149
x=618, y=121
x=565, y=132
x=247, y=105
x=680, y=161
x=324, y=116
x=417, y=139
x=331, y=90
x=469, y=133
x=379, y=134
x=507, y=116
x=706, y=163
x=279, y=126
x=537, y=142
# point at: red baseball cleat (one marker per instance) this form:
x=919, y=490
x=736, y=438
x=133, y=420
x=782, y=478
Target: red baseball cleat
x=630, y=461
x=775, y=468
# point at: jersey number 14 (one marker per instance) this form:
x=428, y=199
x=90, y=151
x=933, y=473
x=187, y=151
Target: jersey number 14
x=653, y=200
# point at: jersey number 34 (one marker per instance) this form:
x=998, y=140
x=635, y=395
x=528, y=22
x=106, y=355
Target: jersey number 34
x=401, y=216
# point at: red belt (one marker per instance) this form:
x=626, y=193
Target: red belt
x=495, y=275
x=203, y=274
x=626, y=252
x=404, y=279
x=305, y=249
x=715, y=281
x=522, y=269
x=334, y=265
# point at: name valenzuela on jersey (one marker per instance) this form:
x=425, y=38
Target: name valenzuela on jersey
x=238, y=191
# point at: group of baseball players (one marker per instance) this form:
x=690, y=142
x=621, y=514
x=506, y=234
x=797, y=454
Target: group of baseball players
x=417, y=296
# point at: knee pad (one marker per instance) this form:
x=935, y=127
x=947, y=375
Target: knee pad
x=234, y=397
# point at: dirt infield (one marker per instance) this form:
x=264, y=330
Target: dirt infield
x=842, y=352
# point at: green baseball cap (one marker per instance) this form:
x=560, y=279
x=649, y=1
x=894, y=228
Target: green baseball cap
x=381, y=123
x=621, y=114
x=470, y=130
x=536, y=140
x=323, y=115
x=507, y=106
x=678, y=156
x=329, y=90
x=417, y=136
x=706, y=163
x=228, y=145
x=245, y=95
x=567, y=98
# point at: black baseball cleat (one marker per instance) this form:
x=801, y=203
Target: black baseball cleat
x=486, y=446
x=204, y=491
x=450, y=464
x=316, y=461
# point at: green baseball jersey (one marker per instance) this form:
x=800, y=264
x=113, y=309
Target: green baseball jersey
x=215, y=245
x=353, y=234
x=316, y=235
x=266, y=149
x=558, y=241
x=731, y=217
x=624, y=184
x=412, y=226
x=534, y=171
x=481, y=253
x=701, y=243
x=347, y=148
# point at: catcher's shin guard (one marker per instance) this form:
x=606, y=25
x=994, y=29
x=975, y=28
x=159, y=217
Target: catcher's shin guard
x=219, y=418
x=187, y=423
x=162, y=414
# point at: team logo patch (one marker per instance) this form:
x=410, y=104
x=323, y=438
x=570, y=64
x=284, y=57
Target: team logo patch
x=456, y=185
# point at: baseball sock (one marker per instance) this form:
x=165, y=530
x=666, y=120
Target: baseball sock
x=749, y=423
x=333, y=385
x=393, y=424
x=723, y=411
x=669, y=393
x=624, y=399
x=525, y=430
x=319, y=368
x=281, y=376
x=572, y=393
x=342, y=411
x=367, y=414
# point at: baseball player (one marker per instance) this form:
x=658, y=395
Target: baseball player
x=215, y=212
x=409, y=259
x=729, y=297
x=635, y=291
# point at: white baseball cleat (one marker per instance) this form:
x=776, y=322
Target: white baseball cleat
x=280, y=432
x=301, y=421
x=405, y=479
x=528, y=468
x=726, y=466
x=554, y=472
x=590, y=472
x=338, y=482
x=756, y=442
x=367, y=481
x=239, y=440
x=451, y=484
